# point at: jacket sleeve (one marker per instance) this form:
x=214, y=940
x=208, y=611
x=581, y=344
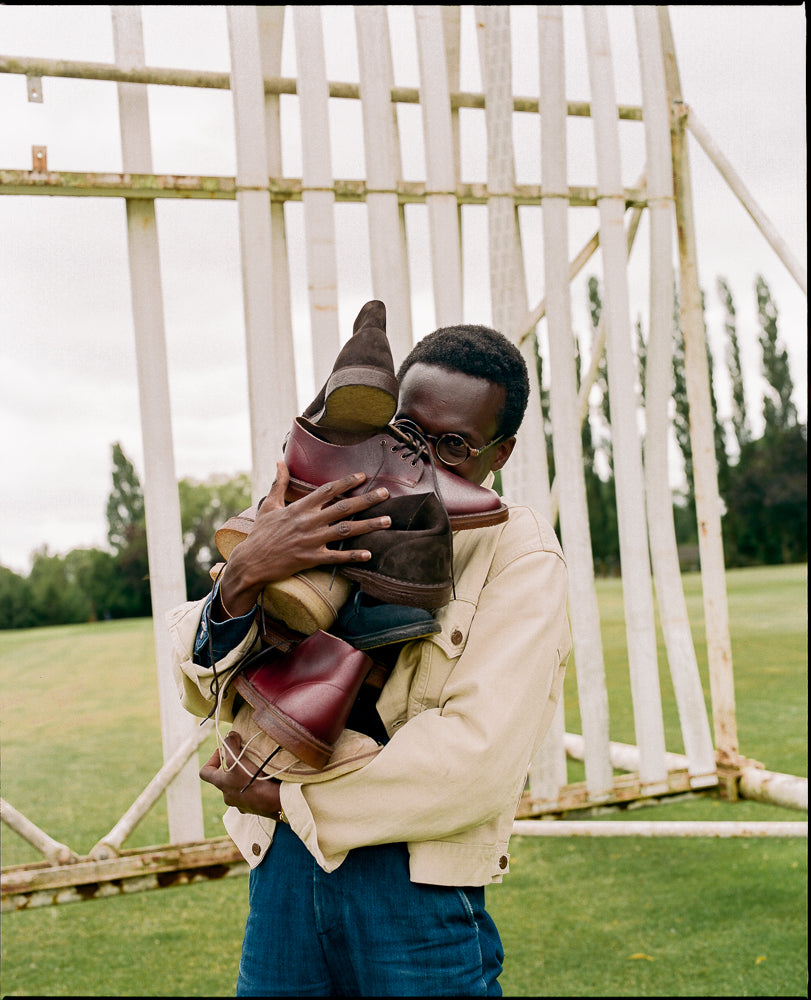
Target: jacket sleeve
x=455, y=765
x=198, y=683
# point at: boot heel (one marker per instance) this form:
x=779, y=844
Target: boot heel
x=359, y=400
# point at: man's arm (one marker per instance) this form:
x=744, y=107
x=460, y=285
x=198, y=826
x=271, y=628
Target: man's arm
x=285, y=539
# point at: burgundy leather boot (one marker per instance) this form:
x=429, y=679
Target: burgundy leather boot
x=360, y=396
x=394, y=459
x=302, y=699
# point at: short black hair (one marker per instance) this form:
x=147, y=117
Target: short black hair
x=481, y=352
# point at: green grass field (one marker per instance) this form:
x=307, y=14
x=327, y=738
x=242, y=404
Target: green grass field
x=608, y=917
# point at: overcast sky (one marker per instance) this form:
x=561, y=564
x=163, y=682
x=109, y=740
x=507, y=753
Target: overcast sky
x=67, y=380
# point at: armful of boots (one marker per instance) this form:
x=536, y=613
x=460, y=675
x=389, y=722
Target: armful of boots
x=288, y=538
x=260, y=797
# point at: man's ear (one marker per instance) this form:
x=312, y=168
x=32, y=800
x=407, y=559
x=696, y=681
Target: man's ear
x=502, y=452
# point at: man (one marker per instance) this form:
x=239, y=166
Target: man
x=372, y=883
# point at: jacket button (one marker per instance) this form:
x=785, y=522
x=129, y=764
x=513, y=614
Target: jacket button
x=456, y=637
x=256, y=849
x=503, y=862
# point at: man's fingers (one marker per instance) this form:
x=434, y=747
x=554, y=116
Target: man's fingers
x=275, y=498
x=336, y=488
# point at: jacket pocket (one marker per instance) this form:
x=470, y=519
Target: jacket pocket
x=440, y=653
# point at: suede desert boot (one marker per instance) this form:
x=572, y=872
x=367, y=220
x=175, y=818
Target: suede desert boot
x=302, y=699
x=412, y=560
x=395, y=458
x=360, y=396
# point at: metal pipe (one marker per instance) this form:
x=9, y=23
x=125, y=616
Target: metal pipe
x=739, y=189
x=52, y=850
x=655, y=828
x=76, y=69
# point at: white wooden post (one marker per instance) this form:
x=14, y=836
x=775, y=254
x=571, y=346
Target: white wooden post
x=708, y=500
x=317, y=189
x=271, y=367
x=271, y=30
x=664, y=553
x=634, y=552
x=526, y=476
x=446, y=261
x=566, y=423
x=161, y=501
x=387, y=243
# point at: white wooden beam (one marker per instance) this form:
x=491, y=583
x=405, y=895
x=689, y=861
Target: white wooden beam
x=161, y=501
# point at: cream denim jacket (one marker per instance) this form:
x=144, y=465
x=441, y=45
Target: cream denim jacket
x=466, y=710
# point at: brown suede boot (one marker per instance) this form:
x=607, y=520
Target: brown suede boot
x=360, y=396
x=412, y=560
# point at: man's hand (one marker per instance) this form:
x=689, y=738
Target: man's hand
x=262, y=797
x=289, y=538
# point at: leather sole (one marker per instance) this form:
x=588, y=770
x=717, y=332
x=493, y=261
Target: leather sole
x=402, y=633
x=393, y=591
x=358, y=399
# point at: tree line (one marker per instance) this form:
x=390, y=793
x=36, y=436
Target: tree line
x=92, y=584
x=762, y=482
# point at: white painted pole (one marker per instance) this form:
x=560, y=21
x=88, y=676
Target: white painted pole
x=664, y=552
x=161, y=501
x=317, y=196
x=109, y=845
x=271, y=31
x=451, y=15
x=446, y=261
x=708, y=500
x=656, y=828
x=387, y=243
x=574, y=524
x=52, y=850
x=625, y=757
x=742, y=193
x=787, y=790
x=629, y=481
x=271, y=368
x=526, y=476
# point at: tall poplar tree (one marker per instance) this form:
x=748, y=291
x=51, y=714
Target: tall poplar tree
x=126, y=533
x=740, y=420
x=779, y=412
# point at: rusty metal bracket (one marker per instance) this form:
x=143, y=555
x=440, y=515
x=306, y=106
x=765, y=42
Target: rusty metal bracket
x=39, y=158
x=34, y=86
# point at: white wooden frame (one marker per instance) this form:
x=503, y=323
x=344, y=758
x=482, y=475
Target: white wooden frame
x=647, y=539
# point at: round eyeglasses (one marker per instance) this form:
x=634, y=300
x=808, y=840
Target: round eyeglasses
x=451, y=449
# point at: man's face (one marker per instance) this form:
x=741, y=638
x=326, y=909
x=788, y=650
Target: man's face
x=441, y=402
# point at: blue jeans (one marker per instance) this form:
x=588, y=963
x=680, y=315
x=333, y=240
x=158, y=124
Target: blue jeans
x=364, y=930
